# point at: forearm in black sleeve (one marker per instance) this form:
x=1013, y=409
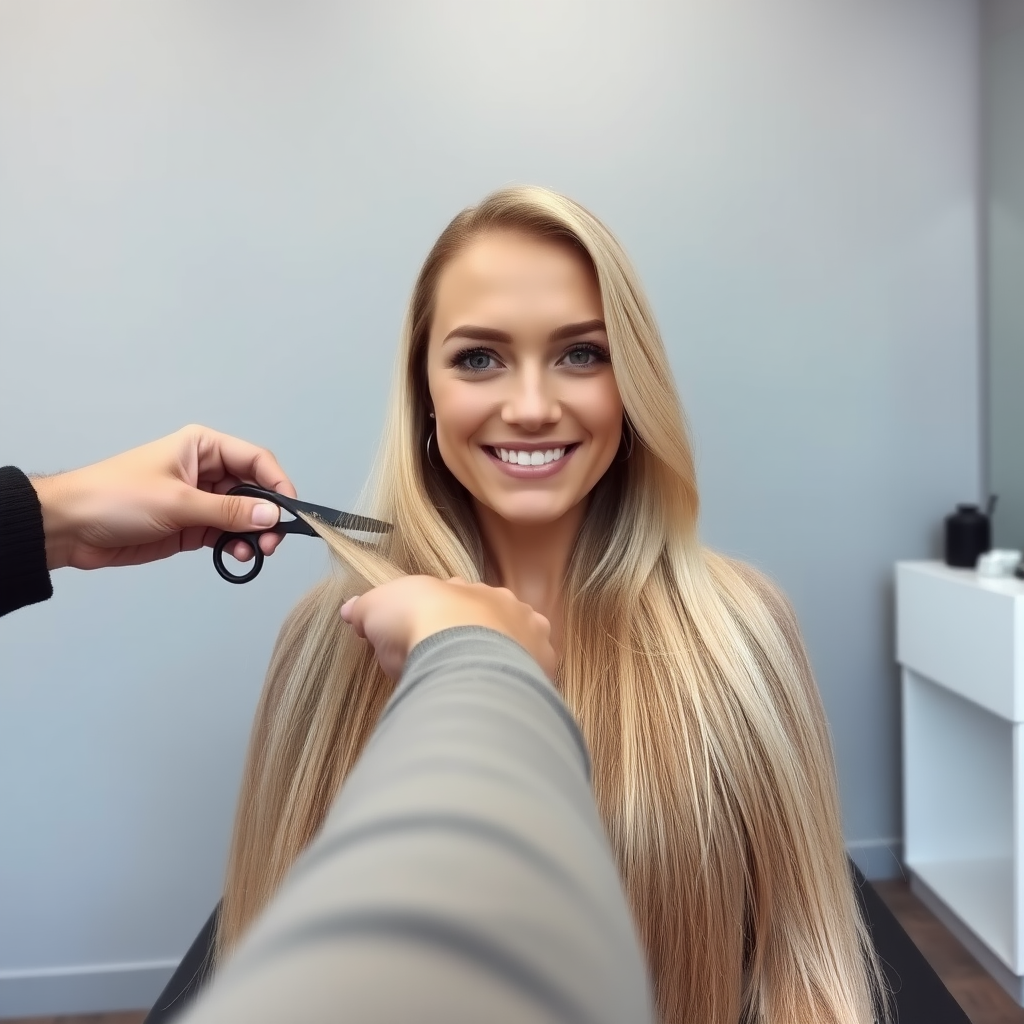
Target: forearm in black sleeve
x=24, y=578
x=462, y=875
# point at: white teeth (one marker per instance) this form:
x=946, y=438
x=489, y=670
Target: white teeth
x=534, y=458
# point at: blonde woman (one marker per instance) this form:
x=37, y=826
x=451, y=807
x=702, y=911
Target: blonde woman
x=535, y=441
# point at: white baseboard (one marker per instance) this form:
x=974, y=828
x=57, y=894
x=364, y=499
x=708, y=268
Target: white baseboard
x=878, y=859
x=96, y=988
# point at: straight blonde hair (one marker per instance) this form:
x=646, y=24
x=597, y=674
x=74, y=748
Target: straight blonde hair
x=712, y=759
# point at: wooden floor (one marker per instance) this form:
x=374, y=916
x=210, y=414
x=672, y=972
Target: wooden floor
x=982, y=999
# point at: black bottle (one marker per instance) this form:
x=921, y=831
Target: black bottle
x=968, y=535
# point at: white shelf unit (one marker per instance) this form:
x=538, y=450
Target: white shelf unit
x=960, y=645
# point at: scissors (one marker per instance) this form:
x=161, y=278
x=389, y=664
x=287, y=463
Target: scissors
x=331, y=516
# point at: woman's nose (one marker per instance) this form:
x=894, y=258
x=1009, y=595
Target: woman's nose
x=532, y=402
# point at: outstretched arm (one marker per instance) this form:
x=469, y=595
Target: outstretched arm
x=148, y=503
x=463, y=873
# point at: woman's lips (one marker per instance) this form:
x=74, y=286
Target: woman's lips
x=513, y=469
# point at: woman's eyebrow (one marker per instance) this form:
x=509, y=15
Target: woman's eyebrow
x=492, y=334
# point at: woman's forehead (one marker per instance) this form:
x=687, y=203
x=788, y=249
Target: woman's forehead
x=512, y=277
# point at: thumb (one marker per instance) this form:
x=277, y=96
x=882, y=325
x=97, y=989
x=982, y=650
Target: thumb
x=346, y=609
x=352, y=612
x=228, y=512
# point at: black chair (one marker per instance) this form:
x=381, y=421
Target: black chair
x=918, y=995
x=191, y=975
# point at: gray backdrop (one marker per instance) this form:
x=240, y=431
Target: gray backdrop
x=214, y=212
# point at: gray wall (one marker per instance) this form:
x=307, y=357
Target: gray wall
x=1002, y=96
x=213, y=212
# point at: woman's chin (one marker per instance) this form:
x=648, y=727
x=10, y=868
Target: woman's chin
x=528, y=511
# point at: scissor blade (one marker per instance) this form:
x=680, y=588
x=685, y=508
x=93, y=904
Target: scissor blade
x=361, y=524
x=345, y=520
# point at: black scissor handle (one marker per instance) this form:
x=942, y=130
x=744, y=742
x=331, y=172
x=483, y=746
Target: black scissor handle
x=330, y=516
x=253, y=540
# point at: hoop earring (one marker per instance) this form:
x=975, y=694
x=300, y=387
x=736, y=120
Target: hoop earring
x=627, y=436
x=430, y=437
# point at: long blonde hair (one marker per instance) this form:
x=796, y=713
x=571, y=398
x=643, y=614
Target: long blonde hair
x=712, y=759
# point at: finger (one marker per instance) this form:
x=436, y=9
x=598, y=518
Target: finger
x=202, y=537
x=352, y=614
x=223, y=455
x=192, y=539
x=221, y=486
x=239, y=550
x=210, y=537
x=269, y=542
x=228, y=512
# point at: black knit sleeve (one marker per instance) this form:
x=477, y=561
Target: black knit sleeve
x=24, y=578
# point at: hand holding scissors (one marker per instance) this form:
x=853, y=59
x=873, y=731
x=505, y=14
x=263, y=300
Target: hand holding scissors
x=330, y=516
x=156, y=500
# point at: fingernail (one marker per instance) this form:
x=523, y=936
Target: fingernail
x=345, y=607
x=264, y=514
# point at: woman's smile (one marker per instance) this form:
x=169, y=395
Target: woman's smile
x=528, y=462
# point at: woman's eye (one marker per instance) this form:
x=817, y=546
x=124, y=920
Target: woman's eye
x=579, y=357
x=586, y=355
x=475, y=360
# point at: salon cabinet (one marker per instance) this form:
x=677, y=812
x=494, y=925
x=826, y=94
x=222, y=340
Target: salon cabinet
x=960, y=646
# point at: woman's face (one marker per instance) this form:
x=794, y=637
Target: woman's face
x=527, y=413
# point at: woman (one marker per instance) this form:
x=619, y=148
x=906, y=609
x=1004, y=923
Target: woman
x=535, y=441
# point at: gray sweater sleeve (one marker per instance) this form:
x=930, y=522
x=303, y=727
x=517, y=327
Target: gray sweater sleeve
x=462, y=874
